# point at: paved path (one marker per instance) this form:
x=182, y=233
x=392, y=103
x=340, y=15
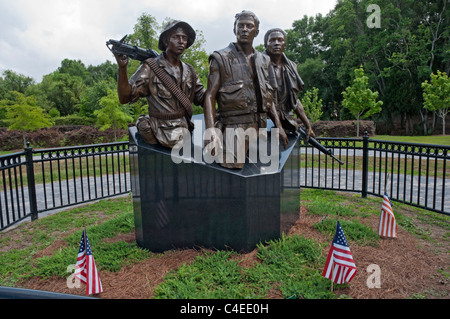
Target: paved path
x=77, y=191
x=56, y=196
x=427, y=193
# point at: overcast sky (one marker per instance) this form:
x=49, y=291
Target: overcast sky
x=35, y=36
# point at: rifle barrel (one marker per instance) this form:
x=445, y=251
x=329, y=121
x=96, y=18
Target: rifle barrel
x=133, y=52
x=315, y=143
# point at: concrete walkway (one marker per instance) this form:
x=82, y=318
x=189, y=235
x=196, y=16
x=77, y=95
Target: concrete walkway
x=56, y=196
x=427, y=193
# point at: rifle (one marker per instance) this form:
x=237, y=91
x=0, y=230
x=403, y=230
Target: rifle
x=317, y=145
x=133, y=52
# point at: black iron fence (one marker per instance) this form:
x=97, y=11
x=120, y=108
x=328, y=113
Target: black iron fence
x=414, y=174
x=36, y=181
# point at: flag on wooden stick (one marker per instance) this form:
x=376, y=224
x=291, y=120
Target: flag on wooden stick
x=388, y=225
x=85, y=268
x=340, y=267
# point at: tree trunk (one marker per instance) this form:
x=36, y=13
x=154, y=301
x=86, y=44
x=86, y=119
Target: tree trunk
x=357, y=126
x=443, y=125
x=424, y=116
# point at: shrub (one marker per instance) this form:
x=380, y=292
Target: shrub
x=46, y=138
x=89, y=135
x=82, y=136
x=74, y=120
x=10, y=140
x=57, y=137
x=342, y=128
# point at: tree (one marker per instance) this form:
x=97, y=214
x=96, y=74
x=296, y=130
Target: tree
x=359, y=99
x=312, y=104
x=12, y=81
x=24, y=115
x=112, y=113
x=73, y=68
x=436, y=95
x=60, y=90
x=90, y=98
x=145, y=32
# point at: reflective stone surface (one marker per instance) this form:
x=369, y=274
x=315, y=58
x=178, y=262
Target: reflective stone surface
x=198, y=204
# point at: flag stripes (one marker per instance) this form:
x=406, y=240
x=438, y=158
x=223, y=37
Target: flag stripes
x=339, y=267
x=388, y=225
x=85, y=269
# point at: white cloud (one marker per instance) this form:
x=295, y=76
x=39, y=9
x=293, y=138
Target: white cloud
x=37, y=35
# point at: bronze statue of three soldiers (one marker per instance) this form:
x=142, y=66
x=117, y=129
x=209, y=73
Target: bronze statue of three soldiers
x=248, y=86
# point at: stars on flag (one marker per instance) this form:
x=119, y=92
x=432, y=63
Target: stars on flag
x=339, y=267
x=85, y=268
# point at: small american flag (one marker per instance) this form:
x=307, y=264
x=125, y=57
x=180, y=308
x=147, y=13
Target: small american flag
x=388, y=225
x=339, y=267
x=85, y=268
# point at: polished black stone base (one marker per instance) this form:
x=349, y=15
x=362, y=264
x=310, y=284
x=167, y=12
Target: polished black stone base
x=199, y=204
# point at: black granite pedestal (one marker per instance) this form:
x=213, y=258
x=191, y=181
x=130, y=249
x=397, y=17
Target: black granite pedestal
x=205, y=205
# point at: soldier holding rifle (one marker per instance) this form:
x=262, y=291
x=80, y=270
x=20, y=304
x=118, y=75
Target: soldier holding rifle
x=239, y=82
x=169, y=84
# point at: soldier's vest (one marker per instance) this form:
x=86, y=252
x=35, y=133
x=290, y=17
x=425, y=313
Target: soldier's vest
x=242, y=97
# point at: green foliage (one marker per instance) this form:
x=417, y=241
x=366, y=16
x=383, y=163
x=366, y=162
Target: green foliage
x=54, y=113
x=60, y=90
x=74, y=119
x=398, y=57
x=109, y=255
x=326, y=206
x=112, y=113
x=11, y=81
x=411, y=42
x=145, y=32
x=290, y=264
x=354, y=231
x=214, y=275
x=24, y=115
x=436, y=95
x=90, y=98
x=294, y=265
x=359, y=99
x=312, y=105
x=74, y=68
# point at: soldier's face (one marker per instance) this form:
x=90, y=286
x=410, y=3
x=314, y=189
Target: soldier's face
x=177, y=42
x=245, y=30
x=276, y=43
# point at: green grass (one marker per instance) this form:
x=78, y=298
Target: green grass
x=429, y=139
x=356, y=162
x=289, y=267
x=104, y=219
x=355, y=231
x=324, y=202
x=330, y=206
x=290, y=264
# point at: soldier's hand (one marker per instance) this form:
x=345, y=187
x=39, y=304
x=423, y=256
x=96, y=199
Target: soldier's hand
x=284, y=138
x=122, y=60
x=309, y=133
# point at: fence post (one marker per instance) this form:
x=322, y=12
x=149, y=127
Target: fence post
x=31, y=182
x=365, y=164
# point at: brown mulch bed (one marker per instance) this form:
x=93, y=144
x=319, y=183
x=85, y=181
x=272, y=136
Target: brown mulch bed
x=409, y=267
